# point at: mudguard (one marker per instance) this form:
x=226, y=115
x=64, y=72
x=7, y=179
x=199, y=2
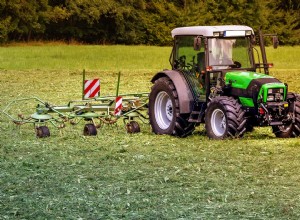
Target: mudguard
x=185, y=97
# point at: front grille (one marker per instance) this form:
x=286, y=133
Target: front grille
x=275, y=95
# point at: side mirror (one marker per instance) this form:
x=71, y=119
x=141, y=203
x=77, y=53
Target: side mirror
x=253, y=40
x=275, y=42
x=197, y=43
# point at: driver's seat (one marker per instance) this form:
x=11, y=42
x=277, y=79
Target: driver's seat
x=201, y=61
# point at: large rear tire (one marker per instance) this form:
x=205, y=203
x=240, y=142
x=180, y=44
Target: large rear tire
x=291, y=129
x=164, y=112
x=224, y=117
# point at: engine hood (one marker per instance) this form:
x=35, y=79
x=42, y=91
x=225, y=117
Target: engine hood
x=241, y=80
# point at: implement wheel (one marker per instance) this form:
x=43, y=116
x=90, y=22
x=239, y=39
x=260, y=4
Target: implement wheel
x=90, y=130
x=42, y=132
x=133, y=127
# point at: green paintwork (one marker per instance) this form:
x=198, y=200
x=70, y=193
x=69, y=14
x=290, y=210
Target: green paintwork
x=38, y=116
x=89, y=115
x=247, y=102
x=241, y=80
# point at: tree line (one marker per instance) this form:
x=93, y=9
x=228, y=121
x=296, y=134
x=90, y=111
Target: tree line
x=140, y=21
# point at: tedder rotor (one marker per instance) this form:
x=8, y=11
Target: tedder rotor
x=95, y=110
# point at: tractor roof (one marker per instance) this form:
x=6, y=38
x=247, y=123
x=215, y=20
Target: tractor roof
x=208, y=31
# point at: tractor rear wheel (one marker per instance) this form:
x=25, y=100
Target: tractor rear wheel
x=164, y=112
x=291, y=129
x=224, y=117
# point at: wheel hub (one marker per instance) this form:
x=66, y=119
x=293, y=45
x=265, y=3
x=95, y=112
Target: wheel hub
x=218, y=122
x=169, y=109
x=163, y=110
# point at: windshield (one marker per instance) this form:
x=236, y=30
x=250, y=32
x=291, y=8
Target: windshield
x=225, y=53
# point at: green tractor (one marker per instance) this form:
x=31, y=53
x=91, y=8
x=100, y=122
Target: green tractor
x=216, y=79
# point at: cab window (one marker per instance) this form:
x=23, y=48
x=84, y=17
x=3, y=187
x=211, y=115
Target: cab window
x=186, y=56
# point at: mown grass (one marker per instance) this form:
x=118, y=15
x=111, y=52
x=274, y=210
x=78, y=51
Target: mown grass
x=77, y=57
x=143, y=176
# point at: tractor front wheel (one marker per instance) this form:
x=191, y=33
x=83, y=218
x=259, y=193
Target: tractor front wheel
x=224, y=117
x=164, y=112
x=291, y=129
x=283, y=131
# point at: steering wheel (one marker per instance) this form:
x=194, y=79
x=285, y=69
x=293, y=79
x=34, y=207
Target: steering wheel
x=237, y=64
x=180, y=62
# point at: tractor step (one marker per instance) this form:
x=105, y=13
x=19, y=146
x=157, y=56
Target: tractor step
x=276, y=123
x=195, y=117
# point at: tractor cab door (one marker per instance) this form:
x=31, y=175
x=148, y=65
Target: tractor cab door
x=186, y=55
x=189, y=58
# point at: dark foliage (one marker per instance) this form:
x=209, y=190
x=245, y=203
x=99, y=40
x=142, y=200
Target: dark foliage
x=140, y=21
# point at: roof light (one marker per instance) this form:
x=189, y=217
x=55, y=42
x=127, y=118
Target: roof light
x=248, y=32
x=234, y=33
x=216, y=34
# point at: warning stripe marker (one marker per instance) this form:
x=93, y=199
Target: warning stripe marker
x=91, y=88
x=118, y=107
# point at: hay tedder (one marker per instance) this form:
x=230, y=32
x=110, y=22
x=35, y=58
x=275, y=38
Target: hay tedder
x=94, y=109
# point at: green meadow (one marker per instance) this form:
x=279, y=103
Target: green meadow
x=115, y=175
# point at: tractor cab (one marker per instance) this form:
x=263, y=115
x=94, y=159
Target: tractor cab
x=209, y=52
x=209, y=48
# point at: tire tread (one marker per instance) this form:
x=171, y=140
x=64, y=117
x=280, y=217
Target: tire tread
x=235, y=116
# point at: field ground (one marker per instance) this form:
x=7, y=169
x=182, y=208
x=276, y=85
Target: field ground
x=142, y=176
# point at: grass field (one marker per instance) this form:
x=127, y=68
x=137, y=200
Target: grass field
x=142, y=176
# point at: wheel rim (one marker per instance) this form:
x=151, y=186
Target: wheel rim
x=218, y=122
x=163, y=110
x=285, y=128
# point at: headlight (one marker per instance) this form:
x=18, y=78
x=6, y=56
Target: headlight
x=275, y=90
x=270, y=98
x=278, y=97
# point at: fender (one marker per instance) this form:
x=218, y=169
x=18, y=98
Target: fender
x=184, y=96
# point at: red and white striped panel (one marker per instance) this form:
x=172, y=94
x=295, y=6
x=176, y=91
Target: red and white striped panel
x=91, y=88
x=118, y=107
